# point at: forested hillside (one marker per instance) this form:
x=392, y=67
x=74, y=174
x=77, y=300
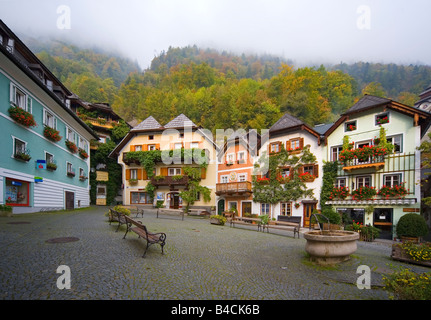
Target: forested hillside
x=224, y=90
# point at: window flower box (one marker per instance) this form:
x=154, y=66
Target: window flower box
x=22, y=117
x=51, y=166
x=364, y=193
x=83, y=178
x=70, y=174
x=82, y=153
x=339, y=193
x=388, y=192
x=22, y=155
x=71, y=146
x=51, y=134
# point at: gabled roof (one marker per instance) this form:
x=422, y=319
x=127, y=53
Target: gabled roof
x=148, y=124
x=322, y=128
x=180, y=121
x=289, y=123
x=367, y=102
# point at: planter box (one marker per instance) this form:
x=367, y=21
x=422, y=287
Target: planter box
x=215, y=221
x=5, y=213
x=399, y=254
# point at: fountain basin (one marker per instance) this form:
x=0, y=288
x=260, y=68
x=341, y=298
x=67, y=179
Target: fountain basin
x=330, y=247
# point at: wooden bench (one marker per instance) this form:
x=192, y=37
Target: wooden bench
x=171, y=212
x=135, y=210
x=285, y=223
x=141, y=230
x=115, y=216
x=245, y=221
x=197, y=212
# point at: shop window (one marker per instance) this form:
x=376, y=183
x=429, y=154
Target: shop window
x=17, y=192
x=286, y=209
x=140, y=198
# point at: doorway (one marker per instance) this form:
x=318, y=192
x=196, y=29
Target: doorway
x=220, y=207
x=174, y=202
x=308, y=210
x=246, y=209
x=101, y=195
x=70, y=200
x=383, y=219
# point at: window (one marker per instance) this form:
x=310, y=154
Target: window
x=134, y=174
x=350, y=126
x=340, y=182
x=363, y=181
x=17, y=192
x=309, y=169
x=274, y=147
x=181, y=135
x=392, y=180
x=232, y=204
x=397, y=141
x=70, y=135
x=285, y=209
x=19, y=147
x=49, y=158
x=19, y=98
x=230, y=158
x=178, y=145
x=381, y=118
x=194, y=145
x=151, y=147
x=363, y=144
x=242, y=177
x=224, y=179
x=295, y=144
x=82, y=143
x=264, y=208
x=174, y=171
x=138, y=147
x=151, y=137
x=241, y=157
x=49, y=119
x=285, y=172
x=70, y=171
x=335, y=152
x=140, y=198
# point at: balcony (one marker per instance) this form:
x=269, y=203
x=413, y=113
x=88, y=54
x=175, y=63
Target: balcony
x=178, y=180
x=370, y=162
x=231, y=188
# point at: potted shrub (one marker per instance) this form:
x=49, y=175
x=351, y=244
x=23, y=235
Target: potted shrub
x=411, y=227
x=217, y=219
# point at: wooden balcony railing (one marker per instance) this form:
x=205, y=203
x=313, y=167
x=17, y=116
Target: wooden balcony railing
x=170, y=180
x=233, y=187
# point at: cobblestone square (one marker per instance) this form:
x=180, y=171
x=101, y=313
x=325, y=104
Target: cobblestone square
x=201, y=262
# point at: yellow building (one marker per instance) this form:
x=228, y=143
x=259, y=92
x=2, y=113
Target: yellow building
x=164, y=150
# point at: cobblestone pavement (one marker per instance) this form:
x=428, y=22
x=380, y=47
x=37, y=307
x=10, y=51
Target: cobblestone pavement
x=201, y=261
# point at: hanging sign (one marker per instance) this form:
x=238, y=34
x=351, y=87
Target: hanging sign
x=41, y=164
x=38, y=179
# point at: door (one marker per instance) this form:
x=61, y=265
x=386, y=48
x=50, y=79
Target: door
x=101, y=195
x=175, y=201
x=246, y=208
x=70, y=200
x=220, y=206
x=383, y=221
x=308, y=210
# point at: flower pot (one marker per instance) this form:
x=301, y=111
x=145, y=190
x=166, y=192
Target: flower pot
x=215, y=221
x=409, y=239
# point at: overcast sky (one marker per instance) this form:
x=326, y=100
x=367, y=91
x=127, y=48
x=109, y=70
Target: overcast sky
x=305, y=31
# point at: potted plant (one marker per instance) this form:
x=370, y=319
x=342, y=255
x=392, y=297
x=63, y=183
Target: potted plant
x=411, y=227
x=22, y=155
x=217, y=219
x=264, y=219
x=133, y=181
x=51, y=166
x=82, y=153
x=392, y=192
x=364, y=193
x=5, y=211
x=71, y=146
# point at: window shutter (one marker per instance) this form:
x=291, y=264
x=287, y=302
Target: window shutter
x=301, y=143
x=164, y=172
x=132, y=148
x=157, y=146
x=12, y=93
x=316, y=170
x=203, y=173
x=139, y=174
x=144, y=174
x=182, y=171
x=145, y=147
x=29, y=105
x=301, y=170
x=287, y=145
x=127, y=174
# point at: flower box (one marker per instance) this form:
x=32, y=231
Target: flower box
x=83, y=178
x=70, y=173
x=82, y=153
x=22, y=117
x=388, y=192
x=52, y=134
x=23, y=156
x=71, y=146
x=51, y=166
x=401, y=253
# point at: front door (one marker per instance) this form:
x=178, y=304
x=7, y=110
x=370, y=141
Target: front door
x=220, y=206
x=383, y=218
x=308, y=210
x=246, y=208
x=175, y=201
x=70, y=200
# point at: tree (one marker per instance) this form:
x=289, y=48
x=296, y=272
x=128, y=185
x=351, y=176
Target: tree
x=425, y=149
x=189, y=195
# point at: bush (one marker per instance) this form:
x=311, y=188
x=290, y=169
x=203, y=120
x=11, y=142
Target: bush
x=333, y=216
x=221, y=219
x=412, y=225
x=122, y=210
x=408, y=285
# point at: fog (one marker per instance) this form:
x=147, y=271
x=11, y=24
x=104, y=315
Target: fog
x=307, y=32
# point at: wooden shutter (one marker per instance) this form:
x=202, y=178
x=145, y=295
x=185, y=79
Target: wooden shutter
x=301, y=143
x=145, y=147
x=144, y=174
x=164, y=172
x=132, y=148
x=203, y=173
x=157, y=146
x=127, y=174
x=316, y=170
x=301, y=170
x=139, y=174
x=287, y=145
